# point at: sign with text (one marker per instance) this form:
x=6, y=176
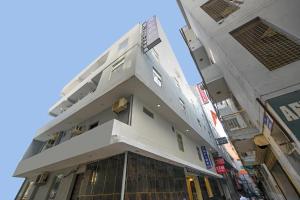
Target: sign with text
x=206, y=158
x=287, y=107
x=221, y=169
x=202, y=94
x=268, y=121
x=220, y=165
x=150, y=36
x=219, y=161
x=222, y=140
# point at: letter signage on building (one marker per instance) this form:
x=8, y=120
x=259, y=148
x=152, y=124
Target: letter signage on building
x=222, y=140
x=206, y=158
x=220, y=165
x=287, y=107
x=150, y=36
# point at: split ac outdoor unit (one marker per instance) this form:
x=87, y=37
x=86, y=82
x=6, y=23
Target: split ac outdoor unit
x=41, y=178
x=119, y=105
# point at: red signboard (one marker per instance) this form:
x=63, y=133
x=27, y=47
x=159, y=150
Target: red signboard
x=220, y=165
x=202, y=94
x=221, y=169
x=219, y=161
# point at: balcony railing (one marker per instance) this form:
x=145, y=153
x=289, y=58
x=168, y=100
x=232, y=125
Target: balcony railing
x=238, y=123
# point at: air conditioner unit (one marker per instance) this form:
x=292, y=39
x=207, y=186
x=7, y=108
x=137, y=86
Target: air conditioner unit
x=41, y=178
x=77, y=130
x=119, y=105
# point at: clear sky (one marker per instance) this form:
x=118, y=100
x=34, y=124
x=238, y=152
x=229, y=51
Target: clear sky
x=44, y=44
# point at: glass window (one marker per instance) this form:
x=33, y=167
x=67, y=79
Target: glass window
x=101, y=180
x=199, y=123
x=147, y=112
x=118, y=64
x=147, y=178
x=157, y=77
x=55, y=186
x=177, y=83
x=94, y=125
x=27, y=191
x=199, y=153
x=182, y=103
x=179, y=141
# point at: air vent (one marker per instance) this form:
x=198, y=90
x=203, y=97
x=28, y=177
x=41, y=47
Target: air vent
x=147, y=112
x=268, y=44
x=219, y=9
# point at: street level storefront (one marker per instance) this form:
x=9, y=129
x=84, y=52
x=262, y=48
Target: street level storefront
x=128, y=176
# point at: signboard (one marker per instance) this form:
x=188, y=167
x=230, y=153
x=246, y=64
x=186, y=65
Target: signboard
x=219, y=161
x=202, y=94
x=206, y=158
x=222, y=140
x=268, y=121
x=287, y=107
x=221, y=169
x=150, y=36
x=220, y=165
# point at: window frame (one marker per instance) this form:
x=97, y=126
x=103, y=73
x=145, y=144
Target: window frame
x=157, y=77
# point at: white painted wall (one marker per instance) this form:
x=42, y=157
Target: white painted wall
x=158, y=133
x=244, y=74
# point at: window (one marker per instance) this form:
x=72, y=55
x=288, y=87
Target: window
x=147, y=178
x=199, y=153
x=55, y=186
x=118, y=64
x=94, y=125
x=123, y=45
x=157, y=77
x=232, y=124
x=177, y=83
x=101, y=180
x=27, y=192
x=267, y=43
x=219, y=9
x=179, y=141
x=182, y=103
x=147, y=112
x=199, y=123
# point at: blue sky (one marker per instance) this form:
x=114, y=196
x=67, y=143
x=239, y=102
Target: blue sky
x=44, y=44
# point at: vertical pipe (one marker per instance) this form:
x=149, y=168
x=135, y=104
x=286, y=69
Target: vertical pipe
x=124, y=176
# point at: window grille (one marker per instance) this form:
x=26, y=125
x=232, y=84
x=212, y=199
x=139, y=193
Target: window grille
x=219, y=9
x=268, y=44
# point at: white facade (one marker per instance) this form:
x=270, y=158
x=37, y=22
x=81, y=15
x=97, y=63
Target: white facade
x=237, y=80
x=123, y=71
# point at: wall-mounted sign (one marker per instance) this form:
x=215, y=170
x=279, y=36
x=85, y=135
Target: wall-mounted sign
x=287, y=107
x=220, y=165
x=150, y=36
x=202, y=94
x=206, y=158
x=268, y=121
x=219, y=161
x=221, y=169
x=222, y=140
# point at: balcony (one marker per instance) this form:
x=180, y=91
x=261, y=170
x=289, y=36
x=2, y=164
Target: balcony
x=238, y=126
x=94, y=143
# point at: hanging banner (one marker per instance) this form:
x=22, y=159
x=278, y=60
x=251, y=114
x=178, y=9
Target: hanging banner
x=207, y=160
x=150, y=36
x=221, y=169
x=202, y=94
x=220, y=165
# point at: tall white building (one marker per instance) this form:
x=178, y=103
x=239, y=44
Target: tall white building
x=126, y=127
x=248, y=53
